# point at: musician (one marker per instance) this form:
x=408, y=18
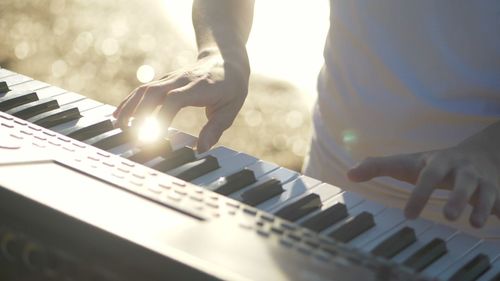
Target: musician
x=415, y=83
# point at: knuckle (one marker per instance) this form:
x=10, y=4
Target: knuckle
x=460, y=194
x=186, y=75
x=468, y=174
x=431, y=172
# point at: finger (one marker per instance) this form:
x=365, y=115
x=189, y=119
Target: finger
x=210, y=134
x=155, y=96
x=403, y=167
x=173, y=102
x=496, y=208
x=486, y=198
x=430, y=176
x=122, y=103
x=128, y=108
x=465, y=184
x=198, y=93
x=193, y=94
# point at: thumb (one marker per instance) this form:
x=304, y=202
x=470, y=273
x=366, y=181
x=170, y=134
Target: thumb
x=210, y=134
x=402, y=167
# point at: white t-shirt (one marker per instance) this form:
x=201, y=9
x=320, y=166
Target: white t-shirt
x=406, y=76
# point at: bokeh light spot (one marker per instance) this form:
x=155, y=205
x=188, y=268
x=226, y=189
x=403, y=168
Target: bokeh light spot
x=145, y=73
x=349, y=137
x=294, y=119
x=147, y=42
x=110, y=46
x=253, y=118
x=59, y=68
x=22, y=50
x=149, y=131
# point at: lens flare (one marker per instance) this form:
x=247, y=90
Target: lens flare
x=149, y=131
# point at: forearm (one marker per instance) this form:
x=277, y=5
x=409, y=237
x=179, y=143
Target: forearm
x=222, y=27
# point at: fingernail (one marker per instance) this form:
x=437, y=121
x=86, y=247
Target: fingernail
x=479, y=221
x=355, y=166
x=451, y=213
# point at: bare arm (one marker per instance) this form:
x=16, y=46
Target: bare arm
x=217, y=81
x=223, y=26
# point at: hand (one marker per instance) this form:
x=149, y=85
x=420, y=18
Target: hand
x=469, y=170
x=219, y=86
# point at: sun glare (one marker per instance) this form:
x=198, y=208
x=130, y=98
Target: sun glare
x=286, y=41
x=149, y=130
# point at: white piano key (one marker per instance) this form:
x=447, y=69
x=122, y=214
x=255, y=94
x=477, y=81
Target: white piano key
x=33, y=85
x=4, y=73
x=48, y=92
x=12, y=80
x=282, y=174
x=324, y=190
x=220, y=152
x=181, y=139
x=228, y=166
x=84, y=104
x=261, y=168
x=489, y=248
x=418, y=225
x=435, y=231
x=293, y=189
x=459, y=245
x=68, y=98
x=385, y=221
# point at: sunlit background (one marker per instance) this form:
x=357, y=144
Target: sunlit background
x=103, y=49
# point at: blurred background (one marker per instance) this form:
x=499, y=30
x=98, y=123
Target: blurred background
x=103, y=49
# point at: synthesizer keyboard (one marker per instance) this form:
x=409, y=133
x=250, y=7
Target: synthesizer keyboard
x=80, y=200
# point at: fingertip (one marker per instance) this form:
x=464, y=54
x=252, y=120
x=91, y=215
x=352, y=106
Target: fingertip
x=451, y=213
x=409, y=214
x=477, y=221
x=358, y=173
x=201, y=147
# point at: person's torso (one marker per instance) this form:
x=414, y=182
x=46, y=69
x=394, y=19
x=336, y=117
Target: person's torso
x=408, y=76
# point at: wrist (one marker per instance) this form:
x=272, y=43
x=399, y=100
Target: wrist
x=234, y=60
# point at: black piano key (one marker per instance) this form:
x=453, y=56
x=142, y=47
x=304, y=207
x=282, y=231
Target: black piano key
x=426, y=255
x=110, y=139
x=57, y=116
x=161, y=147
x=300, y=208
x=32, y=109
x=4, y=88
x=395, y=243
x=473, y=269
x=262, y=192
x=353, y=228
x=17, y=99
x=175, y=159
x=234, y=182
x=90, y=131
x=326, y=218
x=195, y=169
